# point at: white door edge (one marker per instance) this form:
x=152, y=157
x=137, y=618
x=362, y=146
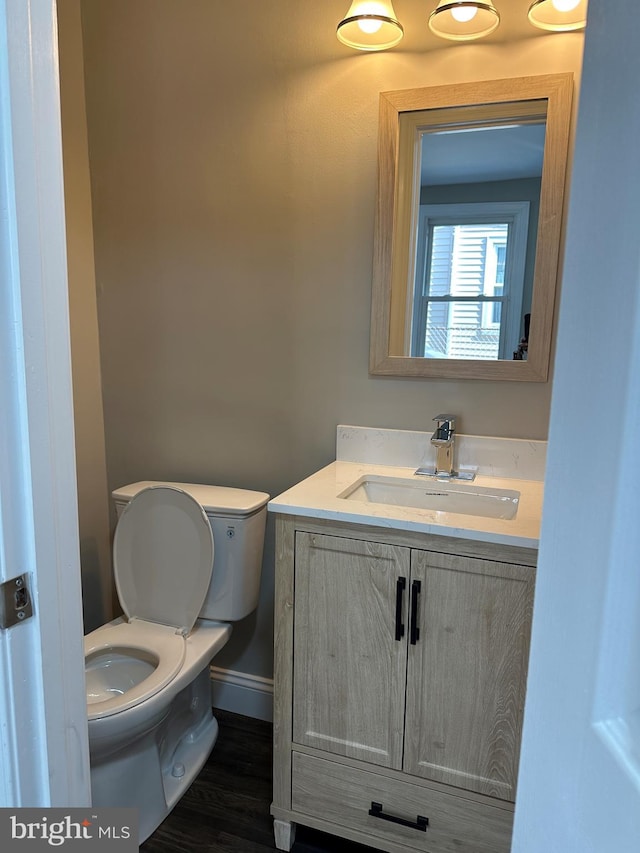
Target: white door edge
x=44, y=756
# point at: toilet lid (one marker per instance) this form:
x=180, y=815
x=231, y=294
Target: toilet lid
x=163, y=557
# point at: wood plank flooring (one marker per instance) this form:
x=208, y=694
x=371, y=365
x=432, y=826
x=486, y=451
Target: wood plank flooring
x=226, y=809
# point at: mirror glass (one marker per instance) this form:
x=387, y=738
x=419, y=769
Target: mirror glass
x=468, y=227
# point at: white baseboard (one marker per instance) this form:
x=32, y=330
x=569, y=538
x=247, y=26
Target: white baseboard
x=242, y=693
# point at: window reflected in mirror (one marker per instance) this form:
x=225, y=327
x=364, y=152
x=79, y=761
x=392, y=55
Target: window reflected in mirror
x=469, y=282
x=477, y=218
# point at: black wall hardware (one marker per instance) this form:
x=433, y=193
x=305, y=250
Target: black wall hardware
x=414, y=635
x=400, y=587
x=421, y=823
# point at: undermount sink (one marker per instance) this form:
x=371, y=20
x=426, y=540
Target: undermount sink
x=435, y=495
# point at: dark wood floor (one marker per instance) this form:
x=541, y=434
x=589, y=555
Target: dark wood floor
x=226, y=809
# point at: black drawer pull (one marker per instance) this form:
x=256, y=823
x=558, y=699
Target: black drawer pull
x=400, y=586
x=414, y=631
x=421, y=823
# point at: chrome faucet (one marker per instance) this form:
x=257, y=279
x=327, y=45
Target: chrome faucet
x=443, y=439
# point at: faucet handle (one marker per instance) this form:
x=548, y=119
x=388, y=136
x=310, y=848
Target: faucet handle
x=445, y=429
x=450, y=420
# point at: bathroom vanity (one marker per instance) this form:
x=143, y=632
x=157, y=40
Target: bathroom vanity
x=401, y=644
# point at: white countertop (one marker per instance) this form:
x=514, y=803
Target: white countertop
x=501, y=463
x=317, y=497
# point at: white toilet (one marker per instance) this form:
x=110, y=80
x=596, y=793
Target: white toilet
x=151, y=726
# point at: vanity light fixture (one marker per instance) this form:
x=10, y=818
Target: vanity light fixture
x=558, y=15
x=463, y=20
x=370, y=25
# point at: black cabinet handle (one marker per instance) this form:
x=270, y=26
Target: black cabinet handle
x=400, y=587
x=414, y=634
x=420, y=822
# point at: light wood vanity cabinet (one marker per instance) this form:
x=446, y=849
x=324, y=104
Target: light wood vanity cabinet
x=400, y=678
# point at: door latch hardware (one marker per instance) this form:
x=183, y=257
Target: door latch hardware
x=15, y=602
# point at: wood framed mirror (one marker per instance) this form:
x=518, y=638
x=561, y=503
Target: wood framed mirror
x=469, y=214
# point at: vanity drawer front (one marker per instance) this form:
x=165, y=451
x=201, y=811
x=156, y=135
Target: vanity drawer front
x=344, y=795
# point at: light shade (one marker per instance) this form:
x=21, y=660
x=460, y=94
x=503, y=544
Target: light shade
x=463, y=20
x=558, y=15
x=370, y=25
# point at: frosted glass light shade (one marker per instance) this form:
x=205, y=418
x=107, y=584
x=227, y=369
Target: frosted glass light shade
x=464, y=20
x=370, y=25
x=558, y=15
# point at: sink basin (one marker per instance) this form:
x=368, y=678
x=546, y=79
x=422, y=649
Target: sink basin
x=434, y=495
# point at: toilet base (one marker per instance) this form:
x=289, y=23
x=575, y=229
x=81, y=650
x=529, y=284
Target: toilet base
x=153, y=772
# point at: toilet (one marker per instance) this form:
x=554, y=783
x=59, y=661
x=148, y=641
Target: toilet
x=187, y=560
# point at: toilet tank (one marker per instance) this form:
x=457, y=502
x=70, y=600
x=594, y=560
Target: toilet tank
x=237, y=518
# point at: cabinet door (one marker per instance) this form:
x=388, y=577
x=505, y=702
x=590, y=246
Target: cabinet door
x=466, y=674
x=349, y=668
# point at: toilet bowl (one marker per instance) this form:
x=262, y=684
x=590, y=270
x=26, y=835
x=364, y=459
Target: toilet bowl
x=186, y=561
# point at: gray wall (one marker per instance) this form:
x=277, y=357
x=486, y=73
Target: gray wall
x=93, y=504
x=233, y=155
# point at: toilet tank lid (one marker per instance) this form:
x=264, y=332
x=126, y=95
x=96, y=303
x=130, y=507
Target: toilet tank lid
x=215, y=500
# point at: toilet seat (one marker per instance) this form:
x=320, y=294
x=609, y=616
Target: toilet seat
x=159, y=642
x=163, y=557
x=162, y=562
